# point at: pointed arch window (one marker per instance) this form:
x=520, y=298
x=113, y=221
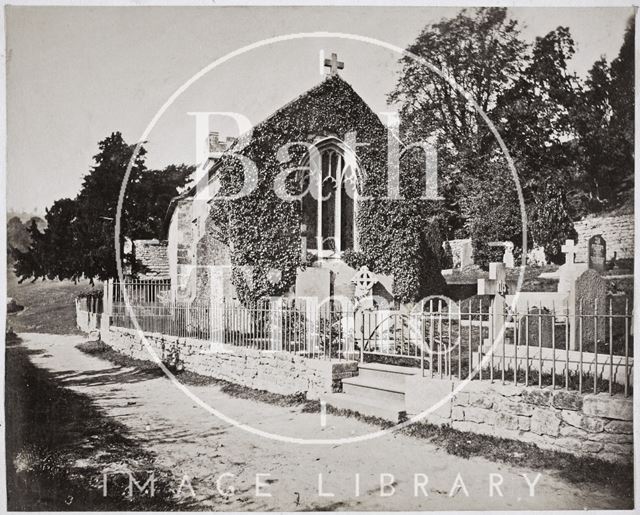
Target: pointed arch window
x=329, y=212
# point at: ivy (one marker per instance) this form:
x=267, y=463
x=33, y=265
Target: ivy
x=399, y=237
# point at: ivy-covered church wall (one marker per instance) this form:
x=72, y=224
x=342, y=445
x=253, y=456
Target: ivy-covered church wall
x=262, y=230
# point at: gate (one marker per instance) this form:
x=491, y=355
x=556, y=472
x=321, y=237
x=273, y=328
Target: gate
x=425, y=337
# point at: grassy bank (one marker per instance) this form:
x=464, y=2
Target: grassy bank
x=48, y=305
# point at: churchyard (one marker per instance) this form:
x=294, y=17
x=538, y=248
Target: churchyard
x=554, y=367
x=294, y=309
x=335, y=289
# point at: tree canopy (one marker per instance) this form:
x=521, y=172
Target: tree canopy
x=565, y=134
x=78, y=240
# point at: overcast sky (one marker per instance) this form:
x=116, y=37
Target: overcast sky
x=76, y=74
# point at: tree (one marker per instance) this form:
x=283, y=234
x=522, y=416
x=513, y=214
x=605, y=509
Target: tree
x=534, y=119
x=623, y=99
x=492, y=212
x=550, y=223
x=528, y=93
x=482, y=51
x=17, y=235
x=79, y=238
x=604, y=132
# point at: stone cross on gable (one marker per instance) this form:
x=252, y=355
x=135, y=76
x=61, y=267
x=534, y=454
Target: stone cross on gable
x=569, y=250
x=333, y=64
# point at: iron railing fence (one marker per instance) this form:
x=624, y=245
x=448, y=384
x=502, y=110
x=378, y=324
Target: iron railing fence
x=588, y=348
x=312, y=332
x=535, y=347
x=141, y=291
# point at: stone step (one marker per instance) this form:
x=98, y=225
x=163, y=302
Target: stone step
x=386, y=410
x=389, y=374
x=376, y=389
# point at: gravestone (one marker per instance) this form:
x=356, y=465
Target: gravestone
x=538, y=327
x=587, y=298
x=364, y=281
x=466, y=254
x=537, y=257
x=508, y=258
x=314, y=282
x=570, y=271
x=461, y=252
x=597, y=251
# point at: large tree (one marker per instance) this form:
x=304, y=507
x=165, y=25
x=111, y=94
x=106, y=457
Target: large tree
x=535, y=122
x=565, y=135
x=482, y=52
x=79, y=238
x=603, y=120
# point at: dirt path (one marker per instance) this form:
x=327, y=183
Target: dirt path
x=200, y=449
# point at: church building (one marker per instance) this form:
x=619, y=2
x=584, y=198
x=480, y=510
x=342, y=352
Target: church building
x=312, y=173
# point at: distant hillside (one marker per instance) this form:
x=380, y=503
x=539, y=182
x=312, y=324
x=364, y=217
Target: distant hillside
x=18, y=237
x=24, y=216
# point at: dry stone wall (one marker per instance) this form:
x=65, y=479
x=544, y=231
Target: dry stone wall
x=617, y=231
x=587, y=425
x=277, y=372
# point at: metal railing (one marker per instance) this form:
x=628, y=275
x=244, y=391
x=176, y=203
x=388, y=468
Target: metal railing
x=582, y=350
x=301, y=329
x=141, y=291
x=588, y=348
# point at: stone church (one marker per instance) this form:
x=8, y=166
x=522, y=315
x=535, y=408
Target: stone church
x=292, y=243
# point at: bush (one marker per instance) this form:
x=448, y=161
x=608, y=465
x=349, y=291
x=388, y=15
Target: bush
x=550, y=223
x=492, y=211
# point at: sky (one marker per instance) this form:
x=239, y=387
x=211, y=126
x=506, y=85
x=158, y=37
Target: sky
x=77, y=74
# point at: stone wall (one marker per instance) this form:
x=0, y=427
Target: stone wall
x=212, y=254
x=587, y=425
x=617, y=231
x=181, y=249
x=277, y=372
x=151, y=259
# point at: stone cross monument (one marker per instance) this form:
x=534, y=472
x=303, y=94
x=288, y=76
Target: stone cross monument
x=496, y=286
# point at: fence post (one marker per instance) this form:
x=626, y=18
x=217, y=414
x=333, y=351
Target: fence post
x=362, y=342
x=312, y=323
x=107, y=299
x=275, y=323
